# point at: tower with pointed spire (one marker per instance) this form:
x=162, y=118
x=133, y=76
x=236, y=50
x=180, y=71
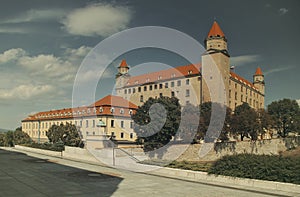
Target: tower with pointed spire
x=258, y=80
x=216, y=41
x=122, y=76
x=216, y=54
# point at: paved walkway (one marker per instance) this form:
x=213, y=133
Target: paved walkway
x=40, y=175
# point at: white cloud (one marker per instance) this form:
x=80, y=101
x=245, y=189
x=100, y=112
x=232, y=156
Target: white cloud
x=46, y=65
x=244, y=60
x=11, y=54
x=283, y=11
x=80, y=52
x=97, y=20
x=275, y=70
x=36, y=15
x=25, y=92
x=16, y=30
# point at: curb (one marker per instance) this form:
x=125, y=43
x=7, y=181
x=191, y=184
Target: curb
x=230, y=181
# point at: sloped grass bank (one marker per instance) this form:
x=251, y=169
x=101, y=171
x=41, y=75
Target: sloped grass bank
x=263, y=167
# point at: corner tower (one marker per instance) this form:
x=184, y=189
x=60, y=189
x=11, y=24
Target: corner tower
x=259, y=80
x=123, y=75
x=216, y=54
x=216, y=41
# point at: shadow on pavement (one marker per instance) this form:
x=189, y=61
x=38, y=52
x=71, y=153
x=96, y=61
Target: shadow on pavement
x=22, y=175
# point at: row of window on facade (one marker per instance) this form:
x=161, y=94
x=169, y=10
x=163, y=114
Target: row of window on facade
x=254, y=104
x=43, y=134
x=187, y=94
x=122, y=135
x=242, y=98
x=173, y=75
x=242, y=89
x=236, y=95
x=81, y=112
x=44, y=125
x=155, y=86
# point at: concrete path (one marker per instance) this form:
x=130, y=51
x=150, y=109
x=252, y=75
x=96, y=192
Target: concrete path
x=39, y=175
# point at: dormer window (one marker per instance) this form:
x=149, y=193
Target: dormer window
x=173, y=75
x=101, y=109
x=159, y=77
x=130, y=112
x=136, y=82
x=122, y=111
x=94, y=110
x=88, y=111
x=190, y=72
x=112, y=110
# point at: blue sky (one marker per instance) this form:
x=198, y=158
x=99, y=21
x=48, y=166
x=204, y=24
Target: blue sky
x=44, y=42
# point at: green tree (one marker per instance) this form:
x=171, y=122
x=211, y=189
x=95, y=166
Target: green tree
x=286, y=114
x=265, y=121
x=245, y=122
x=190, y=123
x=9, y=139
x=2, y=139
x=156, y=135
x=68, y=134
x=21, y=137
x=216, y=122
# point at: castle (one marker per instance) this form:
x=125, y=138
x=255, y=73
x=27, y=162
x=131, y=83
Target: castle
x=184, y=82
x=187, y=82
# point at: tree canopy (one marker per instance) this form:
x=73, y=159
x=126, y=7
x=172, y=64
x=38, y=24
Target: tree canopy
x=219, y=125
x=154, y=125
x=245, y=122
x=286, y=114
x=68, y=134
x=11, y=138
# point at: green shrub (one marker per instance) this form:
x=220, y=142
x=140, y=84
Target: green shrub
x=59, y=146
x=264, y=167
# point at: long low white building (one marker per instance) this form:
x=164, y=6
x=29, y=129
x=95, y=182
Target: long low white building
x=113, y=113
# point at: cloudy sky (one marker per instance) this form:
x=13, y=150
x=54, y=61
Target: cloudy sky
x=44, y=42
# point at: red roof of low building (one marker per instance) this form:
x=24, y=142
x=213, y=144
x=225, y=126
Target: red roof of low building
x=121, y=107
x=215, y=30
x=115, y=101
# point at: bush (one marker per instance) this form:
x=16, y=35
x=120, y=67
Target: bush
x=59, y=146
x=264, y=167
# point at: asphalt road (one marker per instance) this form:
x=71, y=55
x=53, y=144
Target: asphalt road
x=23, y=175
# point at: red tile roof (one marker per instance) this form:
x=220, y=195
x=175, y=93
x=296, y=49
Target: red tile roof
x=241, y=79
x=258, y=71
x=115, y=101
x=215, y=30
x=104, y=106
x=181, y=71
